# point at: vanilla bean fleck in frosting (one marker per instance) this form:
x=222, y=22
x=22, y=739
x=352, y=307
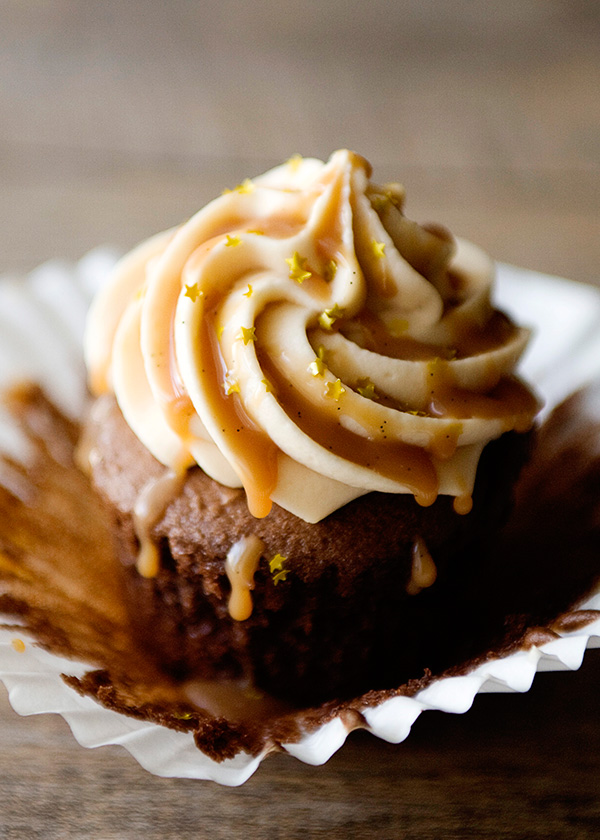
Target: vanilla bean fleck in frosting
x=300, y=337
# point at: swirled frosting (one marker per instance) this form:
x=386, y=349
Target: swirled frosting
x=300, y=337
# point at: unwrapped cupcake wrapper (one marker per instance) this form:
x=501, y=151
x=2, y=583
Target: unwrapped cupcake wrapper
x=41, y=326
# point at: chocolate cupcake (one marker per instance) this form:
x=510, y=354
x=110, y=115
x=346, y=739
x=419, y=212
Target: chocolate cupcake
x=315, y=424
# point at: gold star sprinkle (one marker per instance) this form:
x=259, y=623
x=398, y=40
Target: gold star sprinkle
x=257, y=232
x=335, y=390
x=268, y=386
x=247, y=334
x=249, y=292
x=193, y=292
x=298, y=270
x=378, y=248
x=276, y=568
x=231, y=385
x=317, y=368
x=220, y=329
x=276, y=563
x=232, y=241
x=294, y=162
x=367, y=389
x=330, y=316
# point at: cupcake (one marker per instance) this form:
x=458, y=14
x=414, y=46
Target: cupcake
x=307, y=426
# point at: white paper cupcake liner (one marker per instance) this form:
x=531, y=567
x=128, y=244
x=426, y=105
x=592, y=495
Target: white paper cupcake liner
x=41, y=326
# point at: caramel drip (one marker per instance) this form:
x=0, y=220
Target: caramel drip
x=423, y=571
x=410, y=465
x=371, y=333
x=178, y=412
x=510, y=400
x=150, y=505
x=463, y=504
x=240, y=566
x=253, y=453
x=172, y=395
x=469, y=339
x=444, y=443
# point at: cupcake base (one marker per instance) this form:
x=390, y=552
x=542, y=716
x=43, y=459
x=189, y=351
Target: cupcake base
x=326, y=629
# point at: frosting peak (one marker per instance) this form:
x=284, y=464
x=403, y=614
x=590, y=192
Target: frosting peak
x=300, y=337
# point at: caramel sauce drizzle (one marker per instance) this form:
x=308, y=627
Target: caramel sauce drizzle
x=510, y=400
x=250, y=449
x=240, y=566
x=254, y=454
x=423, y=571
x=150, y=505
x=463, y=504
x=370, y=332
x=391, y=458
x=172, y=396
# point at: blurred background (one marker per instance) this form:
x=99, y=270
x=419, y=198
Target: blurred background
x=122, y=117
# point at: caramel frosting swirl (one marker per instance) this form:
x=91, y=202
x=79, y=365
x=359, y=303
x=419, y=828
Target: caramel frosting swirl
x=300, y=337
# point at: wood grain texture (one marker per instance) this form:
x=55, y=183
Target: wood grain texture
x=119, y=119
x=122, y=118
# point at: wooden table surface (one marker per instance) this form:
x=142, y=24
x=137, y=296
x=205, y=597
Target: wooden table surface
x=119, y=119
